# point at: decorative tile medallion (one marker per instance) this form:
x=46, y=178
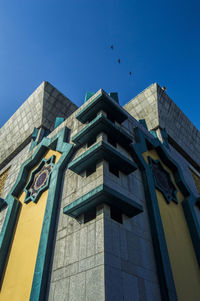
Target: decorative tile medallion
x=39, y=180
x=163, y=181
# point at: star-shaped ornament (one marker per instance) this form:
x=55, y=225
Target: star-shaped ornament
x=163, y=181
x=39, y=180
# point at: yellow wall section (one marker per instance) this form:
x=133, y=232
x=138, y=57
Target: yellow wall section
x=184, y=264
x=19, y=272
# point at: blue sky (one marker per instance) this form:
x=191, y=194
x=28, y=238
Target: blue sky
x=68, y=44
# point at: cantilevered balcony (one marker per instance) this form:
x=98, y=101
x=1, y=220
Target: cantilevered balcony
x=102, y=102
x=103, y=194
x=102, y=124
x=102, y=151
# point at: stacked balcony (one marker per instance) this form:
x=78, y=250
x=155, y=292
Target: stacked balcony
x=102, y=134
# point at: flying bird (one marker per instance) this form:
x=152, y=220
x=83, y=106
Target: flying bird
x=119, y=61
x=112, y=47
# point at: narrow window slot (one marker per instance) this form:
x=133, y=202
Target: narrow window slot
x=112, y=141
x=113, y=170
x=110, y=117
x=116, y=215
x=90, y=170
x=89, y=215
x=91, y=141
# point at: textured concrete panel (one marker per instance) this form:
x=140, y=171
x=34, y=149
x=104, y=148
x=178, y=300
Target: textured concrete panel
x=95, y=291
x=158, y=110
x=77, y=287
x=39, y=110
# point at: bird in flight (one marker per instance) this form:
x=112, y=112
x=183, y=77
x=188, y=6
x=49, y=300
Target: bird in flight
x=119, y=60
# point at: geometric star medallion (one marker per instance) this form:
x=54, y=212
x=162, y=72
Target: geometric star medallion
x=163, y=182
x=39, y=180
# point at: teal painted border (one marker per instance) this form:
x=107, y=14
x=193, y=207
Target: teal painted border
x=33, y=138
x=88, y=95
x=58, y=121
x=193, y=224
x=41, y=272
x=7, y=232
x=143, y=144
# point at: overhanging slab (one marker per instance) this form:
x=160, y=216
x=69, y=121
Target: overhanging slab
x=98, y=152
x=103, y=124
x=105, y=103
x=99, y=195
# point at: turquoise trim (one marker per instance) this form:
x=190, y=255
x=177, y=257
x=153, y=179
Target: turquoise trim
x=167, y=285
x=88, y=95
x=102, y=124
x=7, y=232
x=46, y=241
x=193, y=223
x=35, y=133
x=41, y=272
x=33, y=139
x=99, y=195
x=154, y=133
x=104, y=103
x=98, y=152
x=143, y=144
x=58, y=121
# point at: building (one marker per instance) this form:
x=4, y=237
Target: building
x=99, y=202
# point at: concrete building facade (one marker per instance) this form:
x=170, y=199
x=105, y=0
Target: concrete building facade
x=99, y=202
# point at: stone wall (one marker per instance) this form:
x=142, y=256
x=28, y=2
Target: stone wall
x=103, y=259
x=39, y=110
x=158, y=110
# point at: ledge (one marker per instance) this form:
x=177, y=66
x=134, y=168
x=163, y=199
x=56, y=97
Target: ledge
x=98, y=152
x=99, y=195
x=105, y=103
x=102, y=124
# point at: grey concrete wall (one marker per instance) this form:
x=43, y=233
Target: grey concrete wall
x=157, y=108
x=39, y=110
x=125, y=269
x=130, y=269
x=144, y=106
x=78, y=265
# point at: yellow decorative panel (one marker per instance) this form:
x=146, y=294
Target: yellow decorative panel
x=3, y=178
x=183, y=260
x=19, y=272
x=196, y=180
